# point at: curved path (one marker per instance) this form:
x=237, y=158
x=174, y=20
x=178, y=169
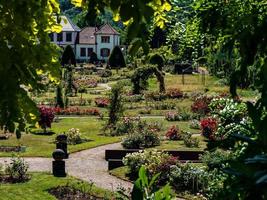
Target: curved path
x=87, y=165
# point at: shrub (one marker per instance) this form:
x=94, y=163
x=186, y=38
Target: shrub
x=102, y=102
x=17, y=170
x=76, y=111
x=141, y=139
x=73, y=136
x=93, y=58
x=187, y=177
x=172, y=116
x=216, y=159
x=208, y=127
x=174, y=93
x=156, y=96
x=163, y=105
x=194, y=124
x=157, y=59
x=46, y=117
x=86, y=82
x=153, y=160
x=104, y=73
x=116, y=58
x=201, y=105
x=173, y=133
x=189, y=141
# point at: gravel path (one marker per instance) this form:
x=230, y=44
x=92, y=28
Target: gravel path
x=88, y=165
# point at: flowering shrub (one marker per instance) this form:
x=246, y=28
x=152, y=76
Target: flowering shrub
x=154, y=161
x=173, y=133
x=73, y=136
x=208, y=127
x=156, y=96
x=232, y=117
x=141, y=139
x=17, y=170
x=172, y=116
x=194, y=124
x=84, y=83
x=175, y=116
x=174, y=93
x=76, y=111
x=190, y=141
x=46, y=117
x=201, y=105
x=101, y=102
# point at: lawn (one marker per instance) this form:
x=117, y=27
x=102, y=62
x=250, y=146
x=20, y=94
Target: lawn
x=43, y=146
x=37, y=188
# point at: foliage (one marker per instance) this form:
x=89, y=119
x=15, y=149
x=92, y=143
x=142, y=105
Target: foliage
x=93, y=58
x=190, y=141
x=209, y=127
x=104, y=73
x=68, y=57
x=156, y=59
x=144, y=138
x=194, y=124
x=201, y=105
x=76, y=111
x=148, y=189
x=46, y=117
x=59, y=97
x=26, y=52
x=17, y=170
x=173, y=133
x=116, y=58
x=216, y=159
x=174, y=93
x=140, y=76
x=154, y=161
x=102, y=102
x=115, y=109
x=176, y=116
x=73, y=136
x=187, y=177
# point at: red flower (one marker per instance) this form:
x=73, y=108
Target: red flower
x=209, y=127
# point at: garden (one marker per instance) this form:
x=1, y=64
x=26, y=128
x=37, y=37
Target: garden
x=177, y=111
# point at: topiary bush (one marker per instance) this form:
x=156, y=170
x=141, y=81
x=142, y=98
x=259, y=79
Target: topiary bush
x=93, y=58
x=157, y=59
x=116, y=59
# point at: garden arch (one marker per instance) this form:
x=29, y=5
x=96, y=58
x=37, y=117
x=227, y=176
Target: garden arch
x=140, y=76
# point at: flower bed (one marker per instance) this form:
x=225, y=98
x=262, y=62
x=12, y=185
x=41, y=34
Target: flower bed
x=102, y=102
x=76, y=111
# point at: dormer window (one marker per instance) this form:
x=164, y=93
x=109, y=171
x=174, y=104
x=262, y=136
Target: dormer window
x=105, y=39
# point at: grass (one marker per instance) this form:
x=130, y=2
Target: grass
x=40, y=183
x=43, y=146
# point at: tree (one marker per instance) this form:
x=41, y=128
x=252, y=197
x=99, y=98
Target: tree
x=116, y=59
x=59, y=97
x=241, y=26
x=93, y=58
x=25, y=53
x=68, y=57
x=46, y=118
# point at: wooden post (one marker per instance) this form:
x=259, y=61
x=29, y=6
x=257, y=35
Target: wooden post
x=183, y=77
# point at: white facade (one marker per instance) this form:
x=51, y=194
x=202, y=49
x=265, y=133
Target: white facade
x=88, y=40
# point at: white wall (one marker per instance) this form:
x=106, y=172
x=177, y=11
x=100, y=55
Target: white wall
x=64, y=42
x=101, y=45
x=78, y=51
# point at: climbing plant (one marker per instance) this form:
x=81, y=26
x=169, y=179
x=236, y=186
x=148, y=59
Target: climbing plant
x=142, y=74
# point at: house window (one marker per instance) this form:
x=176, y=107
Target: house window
x=59, y=37
x=105, y=52
x=105, y=39
x=51, y=35
x=89, y=51
x=83, y=52
x=68, y=37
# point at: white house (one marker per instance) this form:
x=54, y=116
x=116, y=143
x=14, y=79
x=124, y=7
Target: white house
x=101, y=41
x=90, y=39
x=68, y=35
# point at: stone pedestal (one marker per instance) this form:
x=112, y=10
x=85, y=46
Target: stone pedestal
x=59, y=168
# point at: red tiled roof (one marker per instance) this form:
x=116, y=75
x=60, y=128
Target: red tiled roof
x=87, y=35
x=107, y=29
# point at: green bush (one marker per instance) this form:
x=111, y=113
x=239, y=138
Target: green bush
x=189, y=141
x=157, y=59
x=116, y=59
x=17, y=170
x=93, y=58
